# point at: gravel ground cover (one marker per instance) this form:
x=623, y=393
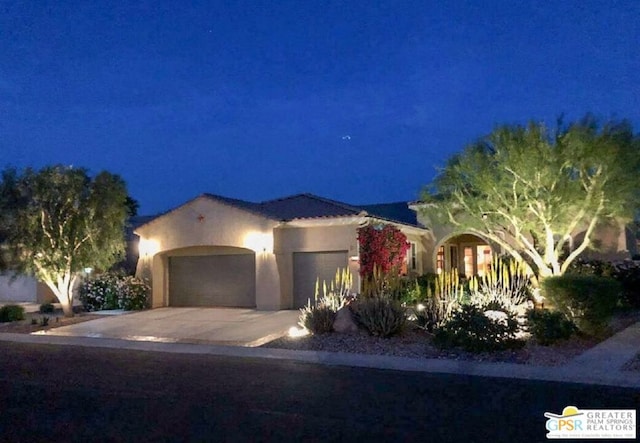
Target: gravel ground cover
x=416, y=343
x=34, y=322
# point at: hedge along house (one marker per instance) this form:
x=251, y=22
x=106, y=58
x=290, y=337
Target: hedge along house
x=218, y=251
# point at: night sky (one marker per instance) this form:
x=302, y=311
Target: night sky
x=358, y=101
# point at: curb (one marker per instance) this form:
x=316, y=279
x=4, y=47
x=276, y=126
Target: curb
x=565, y=374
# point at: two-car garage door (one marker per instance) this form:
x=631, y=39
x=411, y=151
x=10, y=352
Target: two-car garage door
x=310, y=266
x=213, y=280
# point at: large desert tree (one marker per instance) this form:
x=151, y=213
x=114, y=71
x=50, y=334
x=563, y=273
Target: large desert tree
x=532, y=190
x=57, y=221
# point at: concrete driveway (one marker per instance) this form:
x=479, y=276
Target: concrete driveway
x=238, y=327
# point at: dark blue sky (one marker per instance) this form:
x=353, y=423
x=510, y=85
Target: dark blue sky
x=358, y=101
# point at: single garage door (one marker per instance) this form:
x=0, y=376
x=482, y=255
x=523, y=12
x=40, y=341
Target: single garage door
x=213, y=280
x=308, y=267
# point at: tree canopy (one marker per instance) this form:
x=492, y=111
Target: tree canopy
x=531, y=190
x=57, y=221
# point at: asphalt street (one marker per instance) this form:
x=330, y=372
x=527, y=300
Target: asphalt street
x=67, y=393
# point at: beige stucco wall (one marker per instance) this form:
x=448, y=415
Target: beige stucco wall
x=425, y=246
x=204, y=222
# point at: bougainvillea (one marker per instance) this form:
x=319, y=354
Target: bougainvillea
x=381, y=246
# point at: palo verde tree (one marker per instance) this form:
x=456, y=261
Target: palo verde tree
x=57, y=221
x=531, y=190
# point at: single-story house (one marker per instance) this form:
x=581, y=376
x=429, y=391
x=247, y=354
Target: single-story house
x=219, y=251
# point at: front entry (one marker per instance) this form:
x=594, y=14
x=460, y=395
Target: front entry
x=469, y=254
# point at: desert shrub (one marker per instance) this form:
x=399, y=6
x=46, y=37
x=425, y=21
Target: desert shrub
x=628, y=274
x=9, y=313
x=593, y=267
x=381, y=316
x=317, y=319
x=133, y=294
x=588, y=301
x=412, y=293
x=477, y=329
x=548, y=327
x=100, y=292
x=506, y=283
x=47, y=308
x=114, y=291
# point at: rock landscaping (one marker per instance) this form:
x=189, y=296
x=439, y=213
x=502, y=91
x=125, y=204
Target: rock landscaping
x=417, y=343
x=36, y=321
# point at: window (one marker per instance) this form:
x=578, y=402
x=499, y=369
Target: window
x=484, y=259
x=440, y=260
x=412, y=256
x=453, y=254
x=468, y=261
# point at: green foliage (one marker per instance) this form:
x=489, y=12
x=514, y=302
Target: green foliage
x=9, y=313
x=114, y=291
x=598, y=268
x=444, y=294
x=588, y=301
x=548, y=327
x=44, y=321
x=317, y=319
x=476, y=329
x=47, y=308
x=506, y=283
x=381, y=316
x=528, y=188
x=58, y=220
x=626, y=272
x=134, y=294
x=381, y=284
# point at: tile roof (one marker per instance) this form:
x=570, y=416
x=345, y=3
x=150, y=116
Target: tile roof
x=308, y=206
x=398, y=211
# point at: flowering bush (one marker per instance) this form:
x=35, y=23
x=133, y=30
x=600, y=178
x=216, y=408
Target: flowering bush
x=134, y=294
x=114, y=291
x=100, y=292
x=382, y=247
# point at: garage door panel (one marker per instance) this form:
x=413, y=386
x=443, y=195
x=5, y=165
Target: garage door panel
x=308, y=267
x=212, y=280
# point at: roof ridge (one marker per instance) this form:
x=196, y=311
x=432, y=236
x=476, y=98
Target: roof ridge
x=335, y=202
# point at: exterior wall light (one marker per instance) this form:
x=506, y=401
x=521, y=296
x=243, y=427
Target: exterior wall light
x=148, y=247
x=259, y=242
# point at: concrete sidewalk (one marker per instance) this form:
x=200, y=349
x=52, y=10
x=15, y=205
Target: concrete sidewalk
x=600, y=365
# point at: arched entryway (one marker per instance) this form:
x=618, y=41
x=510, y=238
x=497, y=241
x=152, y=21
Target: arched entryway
x=468, y=253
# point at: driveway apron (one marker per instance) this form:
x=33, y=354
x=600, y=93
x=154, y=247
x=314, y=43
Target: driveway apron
x=238, y=327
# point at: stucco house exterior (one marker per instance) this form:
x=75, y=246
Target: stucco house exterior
x=219, y=251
